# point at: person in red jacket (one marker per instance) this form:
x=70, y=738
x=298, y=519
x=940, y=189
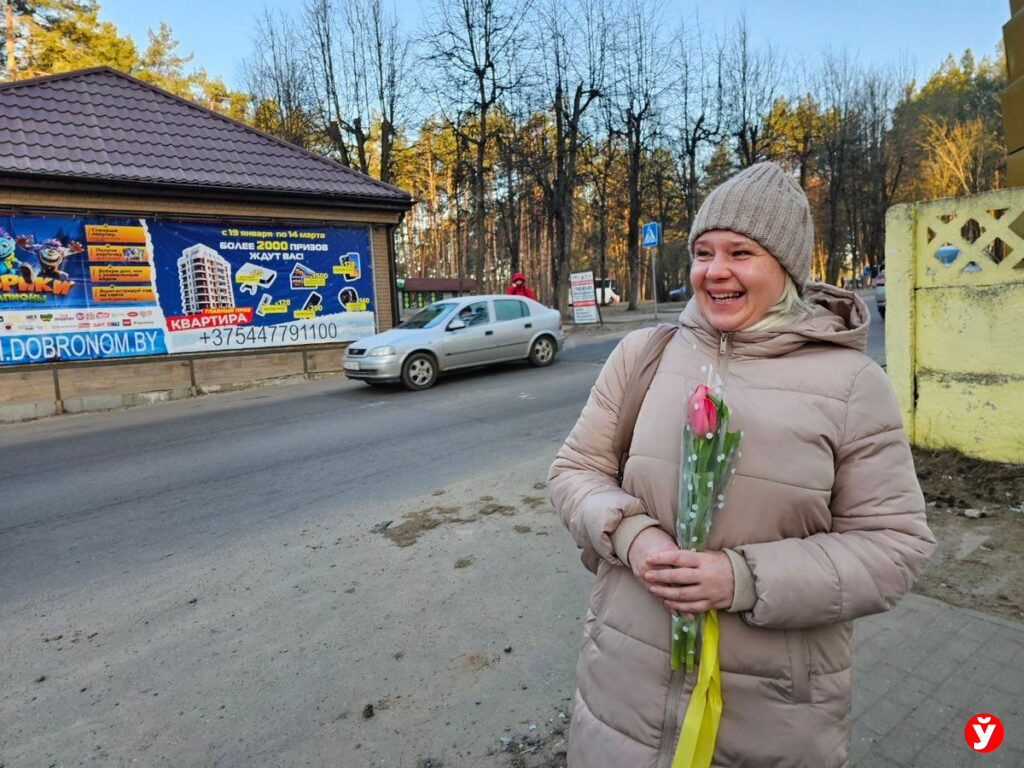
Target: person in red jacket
x=518, y=287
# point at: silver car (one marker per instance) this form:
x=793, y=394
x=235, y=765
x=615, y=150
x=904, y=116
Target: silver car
x=457, y=333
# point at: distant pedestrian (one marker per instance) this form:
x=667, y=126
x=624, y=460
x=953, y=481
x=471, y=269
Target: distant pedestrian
x=519, y=287
x=824, y=521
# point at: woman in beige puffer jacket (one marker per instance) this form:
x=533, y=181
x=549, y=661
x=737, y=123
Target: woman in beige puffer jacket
x=823, y=522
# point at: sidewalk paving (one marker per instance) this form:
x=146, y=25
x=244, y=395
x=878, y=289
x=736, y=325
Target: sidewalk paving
x=618, y=321
x=921, y=671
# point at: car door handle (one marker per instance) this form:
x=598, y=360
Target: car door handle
x=528, y=325
x=488, y=333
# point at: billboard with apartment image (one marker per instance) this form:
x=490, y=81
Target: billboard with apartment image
x=81, y=288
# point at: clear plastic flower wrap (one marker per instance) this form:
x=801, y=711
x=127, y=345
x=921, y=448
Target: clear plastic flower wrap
x=707, y=464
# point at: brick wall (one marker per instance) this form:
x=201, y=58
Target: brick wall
x=324, y=360
x=230, y=372
x=91, y=387
x=79, y=387
x=27, y=395
x=381, y=278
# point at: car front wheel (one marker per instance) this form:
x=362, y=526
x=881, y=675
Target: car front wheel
x=542, y=352
x=419, y=371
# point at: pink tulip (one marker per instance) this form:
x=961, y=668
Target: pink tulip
x=703, y=417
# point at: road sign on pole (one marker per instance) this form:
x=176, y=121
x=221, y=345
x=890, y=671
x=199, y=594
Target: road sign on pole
x=651, y=239
x=651, y=235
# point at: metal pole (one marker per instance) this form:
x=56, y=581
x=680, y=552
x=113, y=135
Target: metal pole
x=654, y=280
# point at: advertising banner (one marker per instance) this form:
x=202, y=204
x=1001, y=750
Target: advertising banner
x=584, y=301
x=86, y=288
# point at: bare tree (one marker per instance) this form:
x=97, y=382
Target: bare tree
x=474, y=45
x=753, y=83
x=878, y=164
x=359, y=57
x=956, y=154
x=837, y=97
x=279, y=81
x=510, y=137
x=640, y=81
x=336, y=55
x=576, y=48
x=389, y=55
x=699, y=104
x=663, y=193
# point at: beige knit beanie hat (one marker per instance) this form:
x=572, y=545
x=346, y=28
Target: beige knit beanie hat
x=766, y=204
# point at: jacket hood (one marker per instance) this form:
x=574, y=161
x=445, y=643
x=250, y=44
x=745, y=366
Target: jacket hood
x=839, y=317
x=518, y=276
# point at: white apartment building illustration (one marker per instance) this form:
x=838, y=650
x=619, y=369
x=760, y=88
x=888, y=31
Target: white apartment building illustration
x=205, y=279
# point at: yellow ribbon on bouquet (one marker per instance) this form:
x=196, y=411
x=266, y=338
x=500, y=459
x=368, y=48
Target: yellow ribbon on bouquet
x=700, y=726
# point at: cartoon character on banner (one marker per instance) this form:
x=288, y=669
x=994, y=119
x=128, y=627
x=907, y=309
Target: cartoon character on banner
x=50, y=254
x=9, y=263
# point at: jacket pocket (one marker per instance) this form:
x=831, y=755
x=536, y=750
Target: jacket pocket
x=800, y=665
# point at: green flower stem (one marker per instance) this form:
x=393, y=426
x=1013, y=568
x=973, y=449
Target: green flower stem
x=691, y=642
x=677, y=644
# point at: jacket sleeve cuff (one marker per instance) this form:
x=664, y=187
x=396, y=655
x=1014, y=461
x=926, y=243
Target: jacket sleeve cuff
x=629, y=529
x=743, y=593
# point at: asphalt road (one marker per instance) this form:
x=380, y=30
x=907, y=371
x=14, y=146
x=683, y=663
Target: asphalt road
x=198, y=583
x=93, y=496
x=132, y=543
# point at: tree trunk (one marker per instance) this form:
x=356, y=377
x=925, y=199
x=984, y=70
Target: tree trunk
x=386, y=130
x=633, y=127
x=559, y=204
x=479, y=218
x=511, y=221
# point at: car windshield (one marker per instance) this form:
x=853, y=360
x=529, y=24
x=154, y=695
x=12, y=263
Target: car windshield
x=429, y=317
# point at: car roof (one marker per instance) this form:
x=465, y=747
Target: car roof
x=485, y=297
x=495, y=296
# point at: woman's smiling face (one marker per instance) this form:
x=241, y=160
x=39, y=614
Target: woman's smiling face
x=735, y=280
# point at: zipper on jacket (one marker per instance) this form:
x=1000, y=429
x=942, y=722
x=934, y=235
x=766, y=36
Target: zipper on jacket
x=669, y=729
x=723, y=360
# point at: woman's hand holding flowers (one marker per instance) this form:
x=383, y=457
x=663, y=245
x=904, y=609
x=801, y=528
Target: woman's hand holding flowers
x=689, y=582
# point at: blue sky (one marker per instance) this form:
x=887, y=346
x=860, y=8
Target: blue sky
x=922, y=32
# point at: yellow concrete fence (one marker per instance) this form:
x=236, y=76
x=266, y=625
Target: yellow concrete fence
x=954, y=333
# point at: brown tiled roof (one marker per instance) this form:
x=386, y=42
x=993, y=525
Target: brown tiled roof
x=102, y=125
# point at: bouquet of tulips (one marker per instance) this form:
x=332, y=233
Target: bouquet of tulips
x=709, y=453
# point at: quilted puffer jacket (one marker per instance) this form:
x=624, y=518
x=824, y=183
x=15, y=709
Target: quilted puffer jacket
x=825, y=513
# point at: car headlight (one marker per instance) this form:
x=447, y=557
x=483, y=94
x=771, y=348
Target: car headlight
x=381, y=351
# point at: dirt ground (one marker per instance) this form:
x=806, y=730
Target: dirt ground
x=978, y=563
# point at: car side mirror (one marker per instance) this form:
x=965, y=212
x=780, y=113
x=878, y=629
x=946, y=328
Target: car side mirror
x=456, y=325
